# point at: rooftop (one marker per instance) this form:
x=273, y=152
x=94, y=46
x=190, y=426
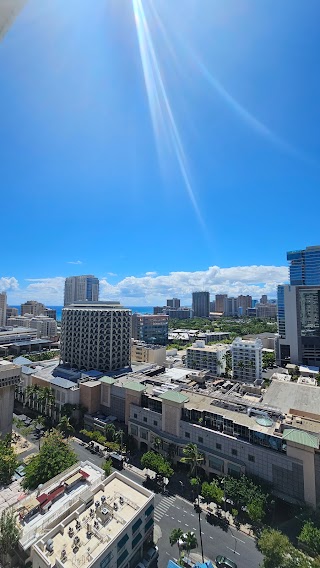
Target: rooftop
x=291, y=395
x=101, y=516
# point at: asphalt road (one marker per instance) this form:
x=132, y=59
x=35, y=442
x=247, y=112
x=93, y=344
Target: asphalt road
x=174, y=512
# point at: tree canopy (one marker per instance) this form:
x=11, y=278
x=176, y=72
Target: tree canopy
x=156, y=462
x=212, y=492
x=279, y=553
x=247, y=495
x=8, y=462
x=310, y=536
x=9, y=533
x=54, y=457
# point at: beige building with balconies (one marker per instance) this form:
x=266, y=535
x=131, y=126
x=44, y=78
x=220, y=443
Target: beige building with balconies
x=207, y=357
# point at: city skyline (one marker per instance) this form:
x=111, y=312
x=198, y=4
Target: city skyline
x=199, y=129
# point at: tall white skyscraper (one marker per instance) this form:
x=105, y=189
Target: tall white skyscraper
x=81, y=289
x=3, y=308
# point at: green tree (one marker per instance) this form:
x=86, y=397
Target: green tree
x=107, y=467
x=8, y=462
x=246, y=494
x=54, y=457
x=175, y=536
x=194, y=458
x=275, y=548
x=212, y=492
x=65, y=427
x=157, y=443
x=9, y=534
x=156, y=462
x=310, y=536
x=190, y=541
x=110, y=432
x=268, y=359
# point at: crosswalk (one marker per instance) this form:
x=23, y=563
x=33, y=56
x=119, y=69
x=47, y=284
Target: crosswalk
x=163, y=506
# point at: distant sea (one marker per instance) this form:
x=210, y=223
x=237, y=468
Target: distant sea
x=137, y=309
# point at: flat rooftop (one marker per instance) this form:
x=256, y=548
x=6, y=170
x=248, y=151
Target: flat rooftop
x=82, y=536
x=208, y=348
x=293, y=396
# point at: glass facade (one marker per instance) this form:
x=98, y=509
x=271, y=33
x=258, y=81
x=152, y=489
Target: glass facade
x=281, y=312
x=304, y=266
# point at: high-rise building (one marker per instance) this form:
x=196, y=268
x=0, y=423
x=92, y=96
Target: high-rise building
x=212, y=306
x=231, y=308
x=9, y=379
x=50, y=313
x=265, y=311
x=243, y=303
x=304, y=266
x=207, y=357
x=246, y=359
x=220, y=303
x=96, y=335
x=3, y=308
x=298, y=325
x=150, y=328
x=81, y=289
x=264, y=299
x=201, y=304
x=173, y=303
x=32, y=307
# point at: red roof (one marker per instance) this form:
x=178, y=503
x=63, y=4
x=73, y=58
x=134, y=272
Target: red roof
x=84, y=473
x=47, y=497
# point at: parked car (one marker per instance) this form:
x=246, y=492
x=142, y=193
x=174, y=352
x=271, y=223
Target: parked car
x=223, y=562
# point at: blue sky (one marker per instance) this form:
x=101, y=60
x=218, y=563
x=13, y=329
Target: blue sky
x=162, y=146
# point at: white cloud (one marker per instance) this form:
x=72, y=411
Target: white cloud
x=151, y=273
x=8, y=283
x=74, y=262
x=153, y=289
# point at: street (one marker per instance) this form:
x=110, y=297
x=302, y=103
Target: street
x=174, y=512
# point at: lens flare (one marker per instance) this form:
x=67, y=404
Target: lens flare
x=164, y=124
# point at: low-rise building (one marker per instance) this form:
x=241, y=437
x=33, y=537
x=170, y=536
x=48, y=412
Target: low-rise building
x=246, y=359
x=150, y=328
x=208, y=357
x=45, y=326
x=142, y=352
x=81, y=519
x=9, y=379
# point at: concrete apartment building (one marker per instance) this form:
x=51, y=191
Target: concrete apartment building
x=246, y=359
x=201, y=304
x=150, y=328
x=243, y=303
x=96, y=335
x=3, y=309
x=220, y=303
x=82, y=519
x=266, y=310
x=207, y=357
x=81, y=289
x=32, y=307
x=142, y=352
x=9, y=379
x=45, y=326
x=175, y=313
x=11, y=312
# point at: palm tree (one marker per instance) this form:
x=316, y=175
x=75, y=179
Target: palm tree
x=190, y=541
x=193, y=457
x=175, y=536
x=65, y=427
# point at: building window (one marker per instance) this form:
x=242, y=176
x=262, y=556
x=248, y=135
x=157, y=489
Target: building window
x=200, y=439
x=136, y=525
x=135, y=415
x=251, y=458
x=134, y=430
x=187, y=434
x=155, y=423
x=149, y=510
x=234, y=452
x=148, y=524
x=218, y=446
x=145, y=419
x=144, y=434
x=122, y=542
x=234, y=469
x=136, y=539
x=106, y=561
x=122, y=557
x=216, y=463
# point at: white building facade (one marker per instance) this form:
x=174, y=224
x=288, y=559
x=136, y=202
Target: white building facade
x=246, y=359
x=207, y=357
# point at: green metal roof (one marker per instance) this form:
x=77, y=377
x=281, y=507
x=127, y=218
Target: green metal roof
x=300, y=437
x=135, y=386
x=107, y=380
x=174, y=396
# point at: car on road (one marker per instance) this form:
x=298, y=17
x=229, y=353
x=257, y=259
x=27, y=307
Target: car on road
x=223, y=562
x=150, y=556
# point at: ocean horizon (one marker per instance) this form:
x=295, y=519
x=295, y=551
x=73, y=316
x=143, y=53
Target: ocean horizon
x=135, y=309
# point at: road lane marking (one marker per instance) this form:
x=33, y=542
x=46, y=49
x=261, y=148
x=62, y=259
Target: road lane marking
x=234, y=551
x=178, y=521
x=186, y=525
x=172, y=518
x=192, y=515
x=194, y=529
x=239, y=539
x=211, y=537
x=166, y=514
